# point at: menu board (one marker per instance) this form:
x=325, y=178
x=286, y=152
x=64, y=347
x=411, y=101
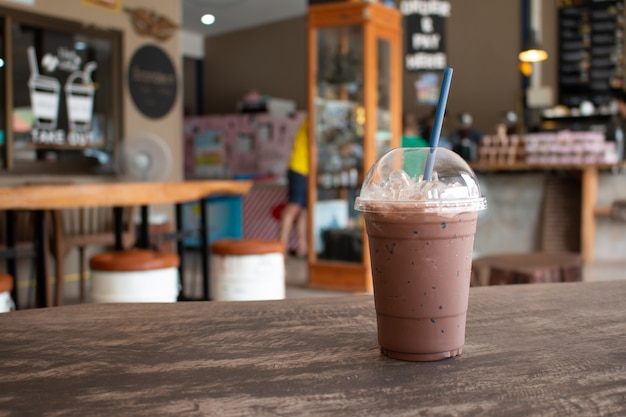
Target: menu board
x=591, y=36
x=425, y=29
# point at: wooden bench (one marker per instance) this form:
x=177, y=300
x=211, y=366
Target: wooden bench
x=527, y=268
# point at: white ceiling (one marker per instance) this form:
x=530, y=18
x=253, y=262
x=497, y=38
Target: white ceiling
x=233, y=15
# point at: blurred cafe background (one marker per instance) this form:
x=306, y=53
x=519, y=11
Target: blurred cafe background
x=141, y=91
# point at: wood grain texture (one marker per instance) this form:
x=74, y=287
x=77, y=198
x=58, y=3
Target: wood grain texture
x=543, y=349
x=59, y=196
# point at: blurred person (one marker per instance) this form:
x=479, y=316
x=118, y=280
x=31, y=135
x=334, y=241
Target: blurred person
x=617, y=127
x=465, y=138
x=426, y=128
x=295, y=212
x=411, y=132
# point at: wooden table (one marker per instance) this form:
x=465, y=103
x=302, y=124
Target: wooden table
x=42, y=197
x=541, y=349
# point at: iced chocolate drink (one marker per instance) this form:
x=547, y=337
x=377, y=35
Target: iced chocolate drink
x=421, y=237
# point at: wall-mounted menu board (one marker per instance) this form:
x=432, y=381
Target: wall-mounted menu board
x=591, y=42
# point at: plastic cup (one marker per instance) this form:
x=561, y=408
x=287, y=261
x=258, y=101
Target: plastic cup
x=421, y=239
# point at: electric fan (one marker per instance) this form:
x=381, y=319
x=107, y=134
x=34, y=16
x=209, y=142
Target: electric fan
x=143, y=157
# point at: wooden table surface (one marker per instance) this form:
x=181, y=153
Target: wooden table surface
x=59, y=196
x=540, y=349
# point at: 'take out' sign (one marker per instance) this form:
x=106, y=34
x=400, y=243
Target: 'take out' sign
x=425, y=34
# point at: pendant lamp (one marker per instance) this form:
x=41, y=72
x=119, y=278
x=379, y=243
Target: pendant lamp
x=532, y=52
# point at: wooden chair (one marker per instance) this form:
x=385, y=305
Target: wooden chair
x=82, y=227
x=23, y=230
x=23, y=222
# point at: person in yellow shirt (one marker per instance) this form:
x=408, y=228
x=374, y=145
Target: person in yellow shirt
x=295, y=212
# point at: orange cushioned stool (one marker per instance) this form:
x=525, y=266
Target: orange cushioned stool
x=134, y=276
x=6, y=286
x=248, y=269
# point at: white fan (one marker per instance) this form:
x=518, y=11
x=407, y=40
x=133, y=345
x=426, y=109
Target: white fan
x=143, y=157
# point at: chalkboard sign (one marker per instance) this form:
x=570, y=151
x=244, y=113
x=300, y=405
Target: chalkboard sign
x=591, y=36
x=152, y=81
x=425, y=29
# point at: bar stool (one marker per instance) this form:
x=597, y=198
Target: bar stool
x=247, y=269
x=135, y=275
x=6, y=286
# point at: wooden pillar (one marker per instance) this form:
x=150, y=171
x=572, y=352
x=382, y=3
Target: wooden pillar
x=587, y=213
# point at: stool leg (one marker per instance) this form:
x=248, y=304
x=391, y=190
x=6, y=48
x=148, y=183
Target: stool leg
x=12, y=261
x=43, y=296
x=60, y=275
x=82, y=260
x=180, y=249
x=204, y=250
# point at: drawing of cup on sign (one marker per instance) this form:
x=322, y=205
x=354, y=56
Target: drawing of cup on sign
x=44, y=95
x=79, y=92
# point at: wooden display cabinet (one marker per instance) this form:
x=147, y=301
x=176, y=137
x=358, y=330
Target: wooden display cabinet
x=354, y=108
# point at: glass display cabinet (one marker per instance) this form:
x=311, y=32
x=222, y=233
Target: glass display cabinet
x=354, y=108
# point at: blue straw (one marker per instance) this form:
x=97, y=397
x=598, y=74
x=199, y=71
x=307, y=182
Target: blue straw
x=441, y=111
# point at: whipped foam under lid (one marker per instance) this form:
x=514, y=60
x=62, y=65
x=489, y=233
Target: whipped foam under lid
x=395, y=183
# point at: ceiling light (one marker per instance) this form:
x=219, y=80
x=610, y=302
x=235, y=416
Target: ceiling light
x=207, y=19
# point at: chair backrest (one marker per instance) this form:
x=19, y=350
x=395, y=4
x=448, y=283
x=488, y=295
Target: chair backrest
x=90, y=226
x=23, y=221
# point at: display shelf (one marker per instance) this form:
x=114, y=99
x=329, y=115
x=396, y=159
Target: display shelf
x=355, y=81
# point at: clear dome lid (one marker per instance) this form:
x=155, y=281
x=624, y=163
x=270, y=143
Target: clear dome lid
x=396, y=181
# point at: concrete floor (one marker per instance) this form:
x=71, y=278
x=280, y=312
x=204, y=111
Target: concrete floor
x=605, y=271
x=296, y=283
x=296, y=280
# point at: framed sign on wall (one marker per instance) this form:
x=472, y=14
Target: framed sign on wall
x=62, y=112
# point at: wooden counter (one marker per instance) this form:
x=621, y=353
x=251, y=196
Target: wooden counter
x=541, y=349
x=589, y=196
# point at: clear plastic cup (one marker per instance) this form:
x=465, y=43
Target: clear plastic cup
x=421, y=238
